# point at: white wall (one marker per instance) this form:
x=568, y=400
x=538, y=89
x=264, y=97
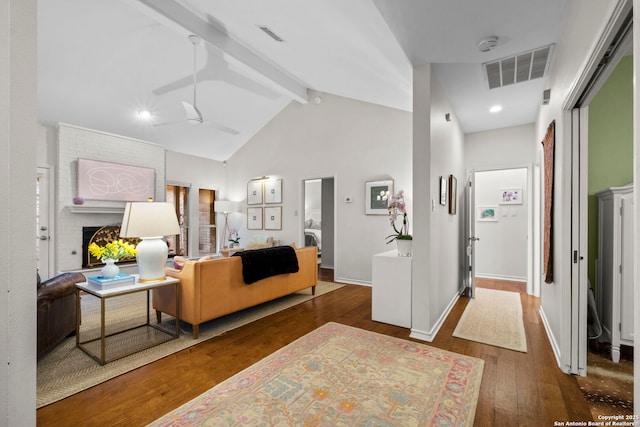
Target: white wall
x=199, y=173
x=501, y=252
x=500, y=148
x=18, y=136
x=584, y=21
x=438, y=150
x=73, y=143
x=350, y=140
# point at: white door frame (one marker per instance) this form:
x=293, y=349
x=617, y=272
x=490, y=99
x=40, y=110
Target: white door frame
x=576, y=115
x=46, y=216
x=533, y=288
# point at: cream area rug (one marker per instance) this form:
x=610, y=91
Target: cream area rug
x=68, y=370
x=338, y=375
x=495, y=318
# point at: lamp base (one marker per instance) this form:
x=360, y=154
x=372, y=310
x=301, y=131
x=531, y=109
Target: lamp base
x=152, y=259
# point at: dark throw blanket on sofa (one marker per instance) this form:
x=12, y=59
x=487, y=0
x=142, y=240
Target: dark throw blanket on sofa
x=259, y=264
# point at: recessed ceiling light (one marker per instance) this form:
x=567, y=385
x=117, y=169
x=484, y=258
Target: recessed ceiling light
x=144, y=114
x=495, y=109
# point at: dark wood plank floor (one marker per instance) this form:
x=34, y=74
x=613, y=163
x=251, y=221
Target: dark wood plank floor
x=518, y=389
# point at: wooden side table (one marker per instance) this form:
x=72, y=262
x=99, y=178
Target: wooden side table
x=104, y=293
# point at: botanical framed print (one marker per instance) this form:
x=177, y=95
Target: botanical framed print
x=273, y=191
x=273, y=218
x=510, y=196
x=453, y=195
x=254, y=193
x=377, y=194
x=254, y=218
x=443, y=191
x=487, y=213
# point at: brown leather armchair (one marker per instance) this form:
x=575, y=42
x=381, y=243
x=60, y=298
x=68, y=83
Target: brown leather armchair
x=56, y=309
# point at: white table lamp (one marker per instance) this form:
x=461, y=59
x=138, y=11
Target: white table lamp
x=150, y=221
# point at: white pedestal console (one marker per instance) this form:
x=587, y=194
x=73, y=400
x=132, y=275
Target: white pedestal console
x=614, y=289
x=391, y=294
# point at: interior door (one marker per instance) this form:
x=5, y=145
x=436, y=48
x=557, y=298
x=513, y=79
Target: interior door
x=470, y=235
x=43, y=235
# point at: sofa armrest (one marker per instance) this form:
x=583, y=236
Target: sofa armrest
x=60, y=286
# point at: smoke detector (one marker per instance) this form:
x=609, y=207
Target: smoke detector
x=488, y=44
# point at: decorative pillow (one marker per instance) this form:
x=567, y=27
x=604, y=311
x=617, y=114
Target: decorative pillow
x=205, y=258
x=178, y=262
x=257, y=245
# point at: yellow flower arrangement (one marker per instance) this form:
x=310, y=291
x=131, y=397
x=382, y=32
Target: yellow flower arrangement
x=113, y=250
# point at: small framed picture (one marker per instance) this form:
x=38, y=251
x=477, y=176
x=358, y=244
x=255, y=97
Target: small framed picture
x=273, y=191
x=487, y=213
x=377, y=194
x=273, y=218
x=254, y=193
x=254, y=218
x=510, y=196
x=453, y=195
x=443, y=191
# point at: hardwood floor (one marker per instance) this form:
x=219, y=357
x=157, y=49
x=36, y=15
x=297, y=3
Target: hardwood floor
x=525, y=389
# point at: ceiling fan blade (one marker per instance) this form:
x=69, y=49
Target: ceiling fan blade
x=192, y=112
x=222, y=128
x=176, y=122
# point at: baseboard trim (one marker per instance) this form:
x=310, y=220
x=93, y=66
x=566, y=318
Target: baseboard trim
x=550, y=336
x=351, y=281
x=499, y=277
x=430, y=336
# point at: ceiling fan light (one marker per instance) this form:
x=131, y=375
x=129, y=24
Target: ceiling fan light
x=144, y=114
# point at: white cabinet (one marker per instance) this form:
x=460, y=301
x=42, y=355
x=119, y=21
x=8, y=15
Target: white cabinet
x=391, y=293
x=614, y=288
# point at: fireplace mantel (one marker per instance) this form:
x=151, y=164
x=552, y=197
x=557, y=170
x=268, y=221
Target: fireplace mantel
x=82, y=209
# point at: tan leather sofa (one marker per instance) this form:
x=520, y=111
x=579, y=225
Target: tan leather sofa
x=213, y=288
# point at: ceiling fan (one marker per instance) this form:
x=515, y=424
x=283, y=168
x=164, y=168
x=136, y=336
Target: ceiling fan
x=192, y=113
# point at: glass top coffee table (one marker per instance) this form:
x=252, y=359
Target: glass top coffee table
x=121, y=335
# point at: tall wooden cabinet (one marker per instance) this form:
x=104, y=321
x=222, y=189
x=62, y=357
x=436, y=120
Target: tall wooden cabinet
x=614, y=288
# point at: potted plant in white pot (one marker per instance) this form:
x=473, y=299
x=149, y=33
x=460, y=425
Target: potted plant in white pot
x=403, y=239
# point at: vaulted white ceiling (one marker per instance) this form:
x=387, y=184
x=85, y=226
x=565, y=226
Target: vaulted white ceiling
x=100, y=62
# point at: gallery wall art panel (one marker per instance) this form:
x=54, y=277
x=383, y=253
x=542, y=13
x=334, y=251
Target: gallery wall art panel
x=113, y=181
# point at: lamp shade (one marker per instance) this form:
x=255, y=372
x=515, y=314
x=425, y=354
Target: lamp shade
x=225, y=206
x=149, y=219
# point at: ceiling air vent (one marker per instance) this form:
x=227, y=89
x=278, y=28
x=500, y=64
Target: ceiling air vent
x=518, y=68
x=270, y=33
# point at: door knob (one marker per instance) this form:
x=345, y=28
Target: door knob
x=474, y=239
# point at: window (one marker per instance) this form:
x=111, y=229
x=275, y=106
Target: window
x=179, y=196
x=207, y=222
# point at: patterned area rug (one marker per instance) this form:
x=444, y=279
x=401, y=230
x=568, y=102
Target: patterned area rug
x=338, y=375
x=68, y=370
x=495, y=318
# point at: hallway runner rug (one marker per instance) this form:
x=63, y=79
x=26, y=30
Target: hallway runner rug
x=338, y=375
x=68, y=370
x=495, y=318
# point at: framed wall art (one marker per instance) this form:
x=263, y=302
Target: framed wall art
x=254, y=193
x=273, y=191
x=377, y=194
x=487, y=213
x=510, y=196
x=254, y=218
x=443, y=191
x=99, y=180
x=273, y=218
x=453, y=195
